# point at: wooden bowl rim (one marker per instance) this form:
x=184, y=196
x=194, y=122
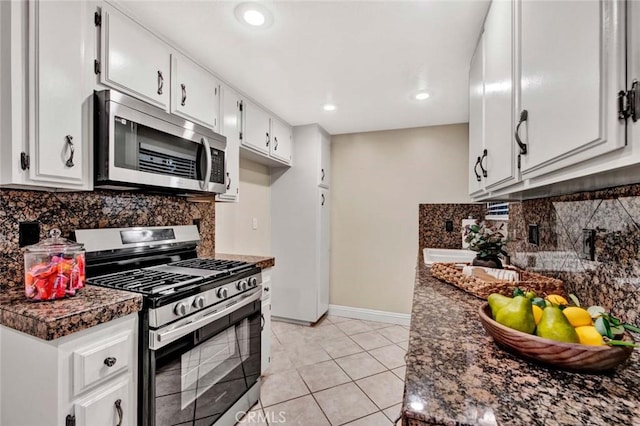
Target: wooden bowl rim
x=484, y=312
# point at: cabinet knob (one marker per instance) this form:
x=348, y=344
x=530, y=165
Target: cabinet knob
x=275, y=145
x=110, y=361
x=69, y=143
x=184, y=94
x=267, y=138
x=475, y=169
x=229, y=183
x=322, y=196
x=322, y=178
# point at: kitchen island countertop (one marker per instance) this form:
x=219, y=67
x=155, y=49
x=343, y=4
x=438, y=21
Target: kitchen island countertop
x=457, y=375
x=262, y=261
x=53, y=319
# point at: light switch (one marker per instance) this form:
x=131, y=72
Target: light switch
x=254, y=223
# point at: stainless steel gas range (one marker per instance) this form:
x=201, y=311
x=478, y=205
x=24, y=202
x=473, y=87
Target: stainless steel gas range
x=199, y=347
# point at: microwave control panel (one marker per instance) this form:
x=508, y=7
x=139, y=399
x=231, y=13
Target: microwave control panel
x=217, y=166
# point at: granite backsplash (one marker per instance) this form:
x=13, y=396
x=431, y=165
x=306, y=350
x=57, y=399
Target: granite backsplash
x=431, y=223
x=612, y=278
x=99, y=209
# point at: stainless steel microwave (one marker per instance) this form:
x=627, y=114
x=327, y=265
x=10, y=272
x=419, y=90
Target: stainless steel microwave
x=139, y=146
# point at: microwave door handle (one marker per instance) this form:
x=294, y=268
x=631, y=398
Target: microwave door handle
x=207, y=151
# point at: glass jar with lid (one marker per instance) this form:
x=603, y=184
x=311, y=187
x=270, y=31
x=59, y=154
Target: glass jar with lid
x=54, y=268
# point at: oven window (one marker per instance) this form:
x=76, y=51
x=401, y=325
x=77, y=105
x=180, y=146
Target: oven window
x=196, y=385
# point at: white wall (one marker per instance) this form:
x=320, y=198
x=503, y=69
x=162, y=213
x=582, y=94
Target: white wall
x=378, y=179
x=234, y=230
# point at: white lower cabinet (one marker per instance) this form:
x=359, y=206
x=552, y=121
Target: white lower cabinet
x=88, y=376
x=265, y=337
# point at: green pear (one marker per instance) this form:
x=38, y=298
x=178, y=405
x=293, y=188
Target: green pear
x=497, y=302
x=517, y=314
x=555, y=326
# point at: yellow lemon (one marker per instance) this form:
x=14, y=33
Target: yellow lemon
x=537, y=313
x=577, y=317
x=588, y=335
x=556, y=299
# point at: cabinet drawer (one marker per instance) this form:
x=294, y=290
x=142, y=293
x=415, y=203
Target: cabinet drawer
x=97, y=362
x=109, y=406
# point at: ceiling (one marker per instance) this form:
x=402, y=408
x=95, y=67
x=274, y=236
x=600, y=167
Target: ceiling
x=369, y=58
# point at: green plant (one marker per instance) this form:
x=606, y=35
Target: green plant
x=484, y=239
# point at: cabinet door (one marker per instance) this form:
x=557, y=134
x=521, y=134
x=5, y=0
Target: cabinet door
x=498, y=159
x=230, y=127
x=194, y=92
x=255, y=122
x=323, y=250
x=325, y=160
x=110, y=405
x=572, y=65
x=58, y=142
x=134, y=61
x=280, y=141
x=265, y=336
x=476, y=118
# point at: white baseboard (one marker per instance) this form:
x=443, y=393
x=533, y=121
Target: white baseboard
x=370, y=314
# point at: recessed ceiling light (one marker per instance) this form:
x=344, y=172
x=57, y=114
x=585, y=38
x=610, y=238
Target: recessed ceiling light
x=421, y=96
x=253, y=14
x=253, y=17
x=329, y=107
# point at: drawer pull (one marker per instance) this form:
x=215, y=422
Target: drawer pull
x=118, y=405
x=110, y=361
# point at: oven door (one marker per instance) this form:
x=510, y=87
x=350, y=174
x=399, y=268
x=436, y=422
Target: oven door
x=199, y=376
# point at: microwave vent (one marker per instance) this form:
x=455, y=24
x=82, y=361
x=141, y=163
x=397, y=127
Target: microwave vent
x=161, y=163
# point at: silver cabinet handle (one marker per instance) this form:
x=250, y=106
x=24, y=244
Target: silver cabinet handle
x=207, y=153
x=110, y=361
x=184, y=94
x=524, y=116
x=228, y=184
x=267, y=138
x=484, y=155
x=160, y=82
x=118, y=405
x=69, y=142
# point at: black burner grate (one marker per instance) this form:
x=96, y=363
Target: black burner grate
x=145, y=281
x=213, y=264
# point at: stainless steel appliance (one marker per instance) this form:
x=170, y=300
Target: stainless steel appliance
x=200, y=326
x=141, y=146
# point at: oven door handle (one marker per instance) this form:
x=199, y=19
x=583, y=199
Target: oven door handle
x=158, y=339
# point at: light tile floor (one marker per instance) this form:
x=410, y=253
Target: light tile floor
x=341, y=371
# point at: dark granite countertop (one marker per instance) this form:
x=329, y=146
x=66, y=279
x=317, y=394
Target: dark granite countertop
x=53, y=319
x=457, y=375
x=262, y=261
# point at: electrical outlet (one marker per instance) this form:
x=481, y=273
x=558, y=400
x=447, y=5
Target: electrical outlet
x=254, y=223
x=588, y=251
x=448, y=225
x=534, y=234
x=28, y=233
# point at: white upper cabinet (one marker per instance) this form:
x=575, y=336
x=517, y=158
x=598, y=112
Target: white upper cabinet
x=58, y=142
x=194, y=92
x=281, y=140
x=497, y=158
x=256, y=127
x=476, y=118
x=572, y=64
x=134, y=61
x=324, y=169
x=230, y=126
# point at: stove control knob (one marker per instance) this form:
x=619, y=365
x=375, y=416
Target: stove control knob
x=180, y=309
x=253, y=282
x=222, y=293
x=198, y=302
x=241, y=285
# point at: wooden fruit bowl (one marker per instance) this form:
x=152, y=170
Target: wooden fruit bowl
x=565, y=356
